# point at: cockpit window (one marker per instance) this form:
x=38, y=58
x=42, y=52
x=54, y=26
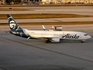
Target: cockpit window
x=85, y=34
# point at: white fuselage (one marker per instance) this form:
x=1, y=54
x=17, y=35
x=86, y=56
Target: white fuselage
x=58, y=34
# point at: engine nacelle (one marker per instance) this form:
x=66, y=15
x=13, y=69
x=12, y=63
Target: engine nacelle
x=55, y=39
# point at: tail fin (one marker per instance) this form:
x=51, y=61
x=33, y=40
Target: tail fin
x=12, y=23
x=14, y=28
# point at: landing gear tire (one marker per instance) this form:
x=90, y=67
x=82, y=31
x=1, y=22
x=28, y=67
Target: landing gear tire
x=82, y=41
x=47, y=41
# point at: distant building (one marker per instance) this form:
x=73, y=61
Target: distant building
x=3, y=2
x=77, y=1
x=68, y=1
x=30, y=1
x=59, y=1
x=12, y=1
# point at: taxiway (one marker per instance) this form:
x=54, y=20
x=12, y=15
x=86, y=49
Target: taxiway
x=83, y=10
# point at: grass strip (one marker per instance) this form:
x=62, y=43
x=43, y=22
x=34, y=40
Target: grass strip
x=12, y=9
x=52, y=23
x=43, y=15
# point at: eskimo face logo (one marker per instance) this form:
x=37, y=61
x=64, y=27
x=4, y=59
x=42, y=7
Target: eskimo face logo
x=12, y=25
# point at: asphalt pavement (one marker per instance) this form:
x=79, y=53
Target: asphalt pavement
x=18, y=53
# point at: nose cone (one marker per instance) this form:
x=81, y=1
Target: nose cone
x=89, y=36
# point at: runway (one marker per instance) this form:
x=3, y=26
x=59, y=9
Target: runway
x=82, y=10
x=85, y=10
x=17, y=53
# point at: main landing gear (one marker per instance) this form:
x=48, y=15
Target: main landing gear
x=82, y=41
x=47, y=41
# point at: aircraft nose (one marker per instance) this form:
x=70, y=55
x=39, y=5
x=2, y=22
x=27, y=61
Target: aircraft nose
x=89, y=36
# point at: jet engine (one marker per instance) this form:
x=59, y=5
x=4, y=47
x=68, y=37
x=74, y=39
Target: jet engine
x=55, y=40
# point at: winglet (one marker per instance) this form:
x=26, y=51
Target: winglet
x=43, y=27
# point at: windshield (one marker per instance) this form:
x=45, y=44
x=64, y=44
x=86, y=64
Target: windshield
x=85, y=34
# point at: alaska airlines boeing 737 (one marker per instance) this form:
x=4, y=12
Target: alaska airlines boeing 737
x=47, y=35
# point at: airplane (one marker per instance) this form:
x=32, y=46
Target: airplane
x=47, y=35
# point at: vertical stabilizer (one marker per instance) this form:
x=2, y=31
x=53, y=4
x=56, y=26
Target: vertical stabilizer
x=14, y=27
x=12, y=23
